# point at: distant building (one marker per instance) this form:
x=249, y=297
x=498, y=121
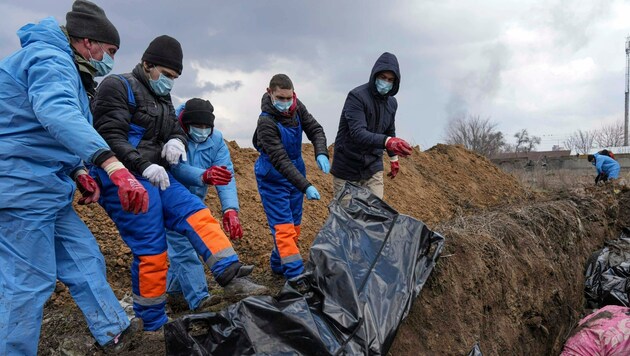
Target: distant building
x=615, y=150
x=532, y=155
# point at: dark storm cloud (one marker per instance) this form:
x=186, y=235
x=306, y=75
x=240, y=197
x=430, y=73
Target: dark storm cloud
x=451, y=54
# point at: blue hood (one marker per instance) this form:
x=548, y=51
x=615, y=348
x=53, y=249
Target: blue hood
x=47, y=31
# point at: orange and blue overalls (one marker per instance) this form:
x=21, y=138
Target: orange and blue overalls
x=176, y=209
x=282, y=203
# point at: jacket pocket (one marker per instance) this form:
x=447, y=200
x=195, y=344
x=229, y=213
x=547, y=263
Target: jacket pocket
x=135, y=134
x=262, y=167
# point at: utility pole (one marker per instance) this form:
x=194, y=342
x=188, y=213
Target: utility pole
x=625, y=126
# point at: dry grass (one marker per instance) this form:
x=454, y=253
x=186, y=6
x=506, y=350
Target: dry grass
x=540, y=179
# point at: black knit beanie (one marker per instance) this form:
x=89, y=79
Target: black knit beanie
x=198, y=111
x=165, y=51
x=87, y=20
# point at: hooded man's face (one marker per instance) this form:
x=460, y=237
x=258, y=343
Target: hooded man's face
x=387, y=76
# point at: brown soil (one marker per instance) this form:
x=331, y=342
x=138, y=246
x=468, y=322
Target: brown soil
x=510, y=276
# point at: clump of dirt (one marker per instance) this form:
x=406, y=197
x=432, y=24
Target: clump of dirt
x=500, y=241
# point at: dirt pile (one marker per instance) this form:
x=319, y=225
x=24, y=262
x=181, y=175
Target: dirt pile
x=507, y=261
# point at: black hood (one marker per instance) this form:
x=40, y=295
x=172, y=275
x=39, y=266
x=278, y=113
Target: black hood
x=386, y=61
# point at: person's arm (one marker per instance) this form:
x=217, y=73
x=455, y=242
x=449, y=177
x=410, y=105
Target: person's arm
x=271, y=143
x=112, y=120
x=391, y=129
x=313, y=130
x=227, y=193
x=52, y=92
x=599, y=162
x=188, y=175
x=355, y=115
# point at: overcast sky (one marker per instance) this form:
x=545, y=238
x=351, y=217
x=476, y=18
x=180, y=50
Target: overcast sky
x=550, y=66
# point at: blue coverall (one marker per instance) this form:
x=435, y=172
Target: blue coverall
x=174, y=208
x=282, y=203
x=45, y=132
x=606, y=165
x=186, y=273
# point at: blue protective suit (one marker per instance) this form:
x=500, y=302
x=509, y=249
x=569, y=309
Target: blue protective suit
x=186, y=273
x=45, y=132
x=606, y=165
x=282, y=203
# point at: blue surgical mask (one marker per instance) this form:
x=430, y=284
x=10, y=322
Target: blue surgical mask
x=282, y=106
x=199, y=135
x=383, y=86
x=162, y=86
x=104, y=66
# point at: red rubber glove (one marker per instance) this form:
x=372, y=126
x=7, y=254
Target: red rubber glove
x=232, y=224
x=398, y=146
x=216, y=175
x=395, y=168
x=133, y=197
x=88, y=188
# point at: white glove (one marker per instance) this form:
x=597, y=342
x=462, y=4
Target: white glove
x=174, y=149
x=156, y=174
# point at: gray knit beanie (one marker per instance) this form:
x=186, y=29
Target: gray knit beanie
x=87, y=20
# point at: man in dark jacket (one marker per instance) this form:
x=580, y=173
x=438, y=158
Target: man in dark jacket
x=367, y=127
x=280, y=171
x=134, y=114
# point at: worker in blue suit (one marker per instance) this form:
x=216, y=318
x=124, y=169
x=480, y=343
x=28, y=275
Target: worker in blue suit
x=607, y=167
x=46, y=135
x=208, y=163
x=135, y=115
x=281, y=173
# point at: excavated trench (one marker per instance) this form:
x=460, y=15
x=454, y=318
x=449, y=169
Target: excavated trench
x=510, y=276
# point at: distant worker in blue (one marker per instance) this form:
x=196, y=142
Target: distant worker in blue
x=135, y=115
x=367, y=127
x=208, y=163
x=281, y=174
x=46, y=136
x=607, y=167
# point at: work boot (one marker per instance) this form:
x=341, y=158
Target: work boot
x=123, y=340
x=244, y=271
x=241, y=287
x=208, y=302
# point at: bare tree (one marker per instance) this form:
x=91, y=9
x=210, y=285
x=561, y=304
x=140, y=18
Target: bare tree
x=525, y=142
x=610, y=135
x=580, y=141
x=476, y=134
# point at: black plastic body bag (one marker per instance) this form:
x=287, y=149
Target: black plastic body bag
x=608, y=274
x=366, y=266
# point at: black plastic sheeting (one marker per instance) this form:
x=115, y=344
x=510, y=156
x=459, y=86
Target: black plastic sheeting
x=607, y=272
x=366, y=266
x=475, y=351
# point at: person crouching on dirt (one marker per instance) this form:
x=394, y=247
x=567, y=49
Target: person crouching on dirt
x=134, y=114
x=607, y=168
x=208, y=163
x=281, y=174
x=46, y=135
x=367, y=127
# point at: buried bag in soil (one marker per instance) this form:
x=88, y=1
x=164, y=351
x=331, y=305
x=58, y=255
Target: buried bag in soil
x=366, y=267
x=607, y=274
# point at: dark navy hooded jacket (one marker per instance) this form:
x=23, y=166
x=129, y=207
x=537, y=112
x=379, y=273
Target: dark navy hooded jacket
x=367, y=119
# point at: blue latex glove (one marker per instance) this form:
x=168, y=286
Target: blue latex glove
x=322, y=162
x=312, y=193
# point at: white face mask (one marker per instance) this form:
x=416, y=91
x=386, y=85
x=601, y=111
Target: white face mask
x=199, y=135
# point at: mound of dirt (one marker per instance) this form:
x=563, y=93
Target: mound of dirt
x=488, y=287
